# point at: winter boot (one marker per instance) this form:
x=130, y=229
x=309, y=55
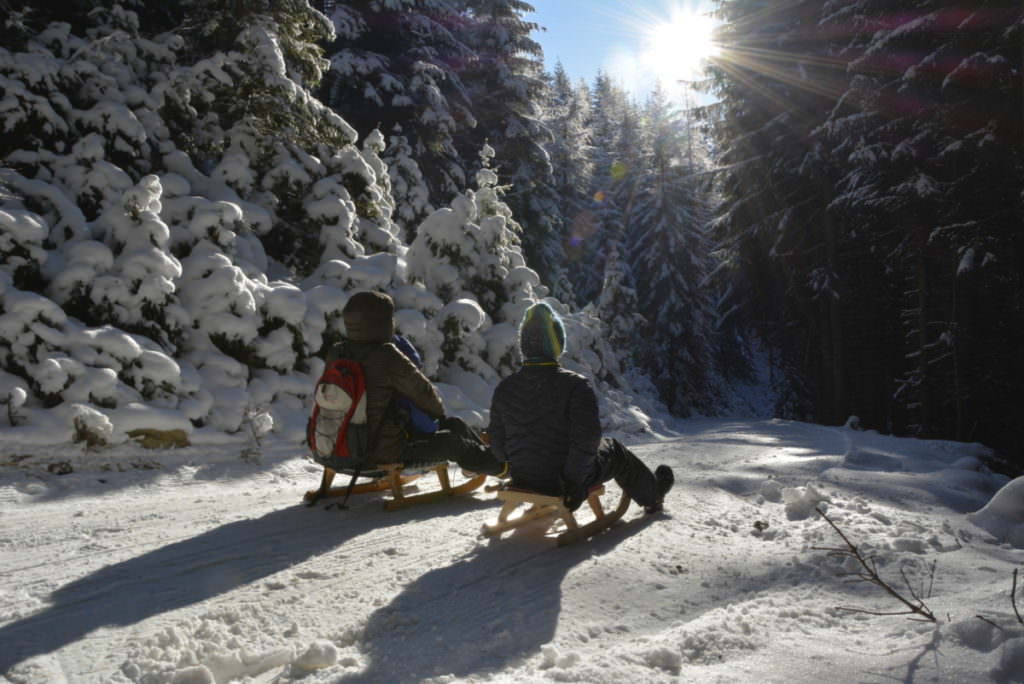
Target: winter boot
x=666, y=478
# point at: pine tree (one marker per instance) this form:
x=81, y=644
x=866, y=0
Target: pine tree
x=567, y=114
x=926, y=169
x=591, y=230
x=506, y=87
x=152, y=163
x=775, y=86
x=408, y=186
x=618, y=308
x=138, y=294
x=869, y=166
x=671, y=255
x=264, y=135
x=396, y=64
x=471, y=249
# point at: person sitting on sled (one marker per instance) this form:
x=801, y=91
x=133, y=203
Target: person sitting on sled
x=390, y=376
x=545, y=423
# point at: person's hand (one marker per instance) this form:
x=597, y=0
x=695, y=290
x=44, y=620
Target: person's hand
x=574, y=498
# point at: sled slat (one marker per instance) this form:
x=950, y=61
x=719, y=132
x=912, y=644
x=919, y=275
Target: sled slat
x=602, y=522
x=401, y=501
x=391, y=476
x=379, y=483
x=541, y=505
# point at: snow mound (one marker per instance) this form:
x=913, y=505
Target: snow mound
x=221, y=646
x=319, y=655
x=1003, y=516
x=800, y=502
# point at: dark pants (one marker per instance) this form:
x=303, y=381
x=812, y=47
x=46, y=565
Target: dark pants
x=619, y=463
x=457, y=442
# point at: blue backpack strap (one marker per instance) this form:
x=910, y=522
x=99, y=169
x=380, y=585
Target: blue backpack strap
x=407, y=348
x=416, y=420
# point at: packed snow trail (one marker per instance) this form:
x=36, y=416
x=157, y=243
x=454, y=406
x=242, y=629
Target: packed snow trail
x=210, y=569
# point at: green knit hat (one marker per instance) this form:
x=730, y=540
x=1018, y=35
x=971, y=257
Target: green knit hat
x=541, y=335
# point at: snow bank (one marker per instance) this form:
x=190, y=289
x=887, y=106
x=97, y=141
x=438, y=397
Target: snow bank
x=1003, y=515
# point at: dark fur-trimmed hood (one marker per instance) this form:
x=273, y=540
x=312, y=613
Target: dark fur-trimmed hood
x=369, y=317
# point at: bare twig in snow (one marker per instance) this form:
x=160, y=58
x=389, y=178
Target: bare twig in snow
x=870, y=575
x=985, y=619
x=254, y=450
x=1013, y=598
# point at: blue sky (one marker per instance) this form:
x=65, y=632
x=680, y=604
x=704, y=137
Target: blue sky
x=616, y=35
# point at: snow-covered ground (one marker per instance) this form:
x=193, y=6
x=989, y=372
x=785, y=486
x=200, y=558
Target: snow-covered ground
x=197, y=565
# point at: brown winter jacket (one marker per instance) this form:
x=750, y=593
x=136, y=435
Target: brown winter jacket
x=388, y=373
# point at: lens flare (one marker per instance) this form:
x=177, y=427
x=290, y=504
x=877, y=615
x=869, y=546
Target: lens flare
x=677, y=49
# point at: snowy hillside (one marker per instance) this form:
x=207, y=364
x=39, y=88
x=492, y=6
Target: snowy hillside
x=196, y=565
x=182, y=222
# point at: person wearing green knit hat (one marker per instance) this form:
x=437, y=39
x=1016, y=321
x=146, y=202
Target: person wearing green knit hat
x=545, y=423
x=541, y=336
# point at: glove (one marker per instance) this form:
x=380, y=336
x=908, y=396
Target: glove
x=574, y=498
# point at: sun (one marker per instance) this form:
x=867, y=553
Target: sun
x=676, y=49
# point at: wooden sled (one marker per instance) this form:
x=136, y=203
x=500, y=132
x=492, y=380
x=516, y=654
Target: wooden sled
x=540, y=506
x=389, y=476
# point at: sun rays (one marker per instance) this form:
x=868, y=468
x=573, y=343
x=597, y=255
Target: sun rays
x=677, y=49
x=669, y=46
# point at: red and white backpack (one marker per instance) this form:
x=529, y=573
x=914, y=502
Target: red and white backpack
x=337, y=432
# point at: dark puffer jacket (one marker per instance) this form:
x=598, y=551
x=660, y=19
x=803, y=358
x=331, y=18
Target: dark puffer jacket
x=544, y=422
x=369, y=327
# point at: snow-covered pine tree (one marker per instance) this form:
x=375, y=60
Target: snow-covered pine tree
x=930, y=150
x=567, y=114
x=469, y=255
x=245, y=114
x=506, y=86
x=139, y=152
x=378, y=232
x=670, y=255
x=396, y=64
x=775, y=187
x=618, y=308
x=137, y=293
x=408, y=187
x=471, y=249
x=587, y=229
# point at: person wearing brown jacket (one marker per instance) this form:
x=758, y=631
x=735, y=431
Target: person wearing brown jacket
x=369, y=328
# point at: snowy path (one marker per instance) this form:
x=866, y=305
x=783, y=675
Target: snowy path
x=216, y=572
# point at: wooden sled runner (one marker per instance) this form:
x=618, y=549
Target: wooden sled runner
x=540, y=505
x=389, y=476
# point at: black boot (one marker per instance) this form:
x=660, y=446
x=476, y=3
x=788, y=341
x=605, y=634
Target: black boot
x=666, y=478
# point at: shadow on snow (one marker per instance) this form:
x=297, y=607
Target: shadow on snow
x=496, y=606
x=194, y=570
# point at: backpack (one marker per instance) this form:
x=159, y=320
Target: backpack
x=337, y=433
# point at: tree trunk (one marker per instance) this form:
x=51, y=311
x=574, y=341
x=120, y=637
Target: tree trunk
x=835, y=328
x=955, y=331
x=922, y=337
